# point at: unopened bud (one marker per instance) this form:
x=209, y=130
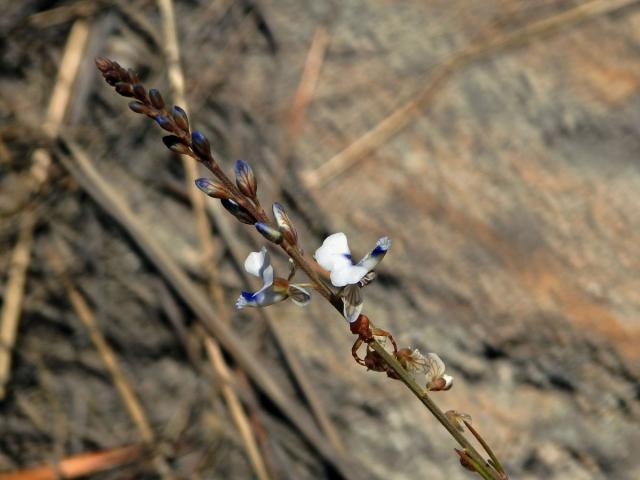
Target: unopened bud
x=156, y=99
x=124, y=89
x=103, y=64
x=285, y=225
x=238, y=211
x=175, y=144
x=180, y=117
x=200, y=145
x=245, y=179
x=465, y=460
x=133, y=76
x=212, y=188
x=139, y=92
x=139, y=107
x=165, y=123
x=270, y=233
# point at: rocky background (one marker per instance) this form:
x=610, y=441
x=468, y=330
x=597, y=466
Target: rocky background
x=496, y=142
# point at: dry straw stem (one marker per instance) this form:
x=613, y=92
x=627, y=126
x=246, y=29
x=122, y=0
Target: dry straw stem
x=176, y=79
x=81, y=167
x=41, y=159
x=127, y=394
x=81, y=465
x=401, y=117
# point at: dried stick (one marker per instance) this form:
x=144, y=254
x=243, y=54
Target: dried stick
x=105, y=195
x=176, y=79
x=127, y=394
x=401, y=117
x=80, y=465
x=41, y=159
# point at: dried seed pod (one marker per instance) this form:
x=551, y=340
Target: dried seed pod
x=103, y=64
x=139, y=107
x=245, y=179
x=285, y=225
x=139, y=92
x=268, y=232
x=156, y=99
x=175, y=144
x=180, y=117
x=212, y=188
x=200, y=145
x=238, y=211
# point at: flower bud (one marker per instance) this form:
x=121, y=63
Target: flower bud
x=133, y=76
x=284, y=224
x=139, y=107
x=200, y=145
x=212, y=188
x=156, y=99
x=124, y=89
x=165, y=123
x=238, y=211
x=269, y=233
x=103, y=64
x=139, y=92
x=245, y=179
x=176, y=145
x=180, y=117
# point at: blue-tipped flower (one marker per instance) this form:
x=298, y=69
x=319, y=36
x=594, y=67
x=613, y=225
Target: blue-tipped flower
x=165, y=123
x=274, y=289
x=270, y=233
x=212, y=188
x=180, y=117
x=175, y=144
x=156, y=99
x=245, y=179
x=238, y=211
x=334, y=255
x=200, y=145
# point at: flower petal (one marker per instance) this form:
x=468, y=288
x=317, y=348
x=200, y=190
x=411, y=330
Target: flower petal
x=267, y=295
x=259, y=264
x=434, y=368
x=299, y=295
x=375, y=256
x=334, y=252
x=347, y=275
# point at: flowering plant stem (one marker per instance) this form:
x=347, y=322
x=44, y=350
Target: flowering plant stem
x=240, y=199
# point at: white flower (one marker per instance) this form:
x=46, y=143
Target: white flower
x=334, y=255
x=273, y=289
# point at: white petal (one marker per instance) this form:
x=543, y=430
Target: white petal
x=259, y=264
x=434, y=367
x=347, y=275
x=334, y=252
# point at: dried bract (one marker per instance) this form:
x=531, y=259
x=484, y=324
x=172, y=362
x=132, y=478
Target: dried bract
x=457, y=418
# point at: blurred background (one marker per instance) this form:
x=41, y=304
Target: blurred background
x=496, y=142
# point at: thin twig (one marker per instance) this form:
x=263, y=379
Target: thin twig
x=81, y=465
x=123, y=386
x=439, y=77
x=40, y=160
